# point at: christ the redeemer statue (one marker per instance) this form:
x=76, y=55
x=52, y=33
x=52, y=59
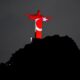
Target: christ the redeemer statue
x=38, y=18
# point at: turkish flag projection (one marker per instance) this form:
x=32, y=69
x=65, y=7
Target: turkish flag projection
x=38, y=23
x=38, y=28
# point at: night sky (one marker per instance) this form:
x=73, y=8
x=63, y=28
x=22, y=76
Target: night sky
x=16, y=29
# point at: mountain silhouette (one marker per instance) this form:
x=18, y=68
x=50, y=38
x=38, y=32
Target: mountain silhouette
x=44, y=56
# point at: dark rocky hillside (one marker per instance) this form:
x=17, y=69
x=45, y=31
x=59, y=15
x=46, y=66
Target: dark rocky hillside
x=51, y=54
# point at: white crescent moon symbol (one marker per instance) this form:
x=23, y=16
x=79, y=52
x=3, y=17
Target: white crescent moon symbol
x=36, y=27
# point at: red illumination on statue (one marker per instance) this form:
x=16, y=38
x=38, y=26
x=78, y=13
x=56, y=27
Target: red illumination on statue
x=38, y=18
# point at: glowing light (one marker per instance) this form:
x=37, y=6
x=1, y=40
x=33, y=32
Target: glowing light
x=38, y=18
